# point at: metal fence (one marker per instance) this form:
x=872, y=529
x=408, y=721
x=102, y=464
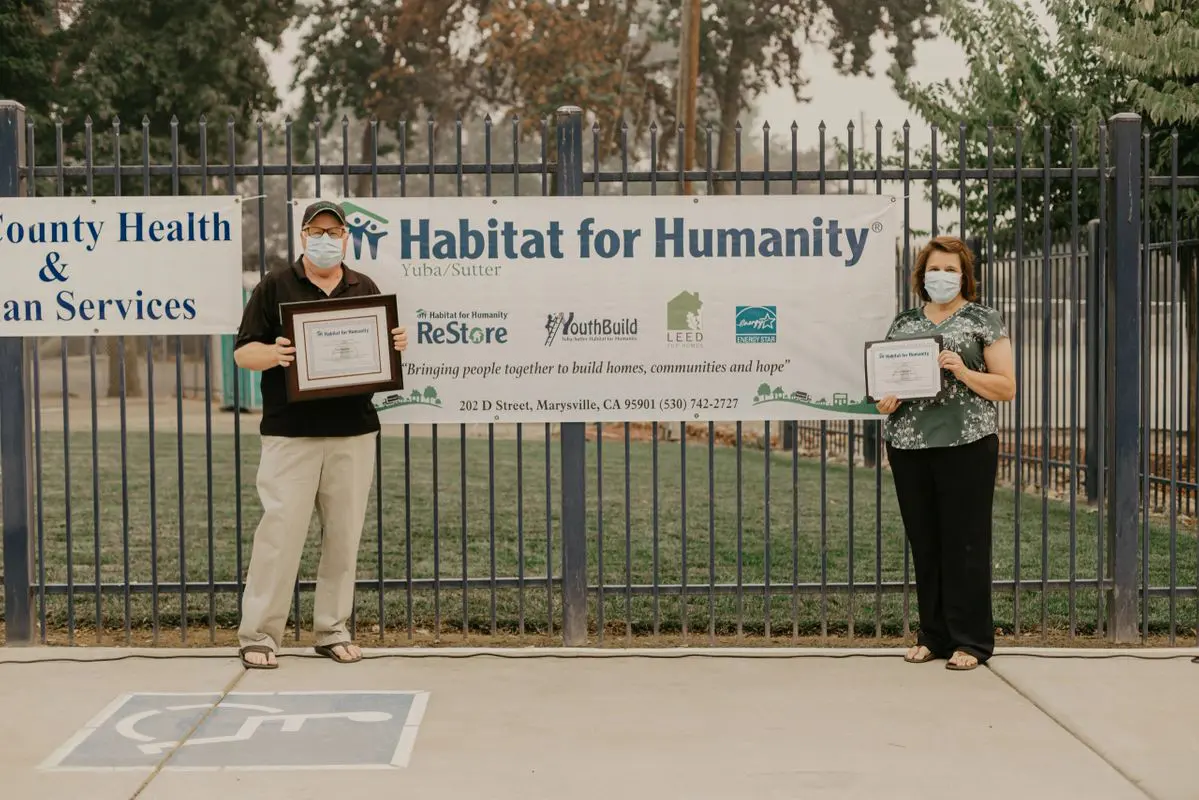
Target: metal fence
x=128, y=509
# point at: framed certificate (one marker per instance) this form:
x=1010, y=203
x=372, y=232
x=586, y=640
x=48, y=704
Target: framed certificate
x=343, y=346
x=905, y=368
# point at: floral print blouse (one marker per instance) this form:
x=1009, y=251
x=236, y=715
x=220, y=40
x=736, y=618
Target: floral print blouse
x=957, y=416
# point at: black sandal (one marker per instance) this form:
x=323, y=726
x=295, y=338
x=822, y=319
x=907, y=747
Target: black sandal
x=257, y=648
x=328, y=651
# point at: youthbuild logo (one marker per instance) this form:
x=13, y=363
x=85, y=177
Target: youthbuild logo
x=567, y=327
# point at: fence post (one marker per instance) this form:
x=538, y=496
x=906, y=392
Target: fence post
x=1092, y=440
x=574, y=434
x=16, y=448
x=1123, y=375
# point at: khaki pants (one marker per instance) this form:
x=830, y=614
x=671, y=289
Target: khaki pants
x=295, y=474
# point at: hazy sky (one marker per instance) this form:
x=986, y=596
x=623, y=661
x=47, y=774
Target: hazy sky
x=834, y=98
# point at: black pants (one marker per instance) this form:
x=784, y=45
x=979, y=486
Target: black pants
x=945, y=498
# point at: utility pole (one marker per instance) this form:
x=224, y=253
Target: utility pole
x=688, y=82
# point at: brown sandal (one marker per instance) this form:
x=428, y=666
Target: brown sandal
x=257, y=648
x=962, y=667
x=928, y=656
x=328, y=651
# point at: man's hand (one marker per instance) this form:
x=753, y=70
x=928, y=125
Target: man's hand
x=888, y=405
x=283, y=351
x=951, y=361
x=399, y=337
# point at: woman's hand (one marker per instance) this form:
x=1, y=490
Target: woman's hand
x=888, y=405
x=951, y=361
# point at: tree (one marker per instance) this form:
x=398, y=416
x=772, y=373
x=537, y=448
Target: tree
x=749, y=45
x=391, y=61
x=1155, y=44
x=28, y=31
x=537, y=56
x=1020, y=78
x=1107, y=56
x=152, y=65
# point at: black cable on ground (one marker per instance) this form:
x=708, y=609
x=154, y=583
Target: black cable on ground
x=518, y=655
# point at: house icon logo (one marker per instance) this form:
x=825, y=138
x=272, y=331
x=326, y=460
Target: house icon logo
x=364, y=225
x=684, y=320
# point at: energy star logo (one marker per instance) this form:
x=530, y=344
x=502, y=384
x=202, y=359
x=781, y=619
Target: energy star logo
x=364, y=224
x=756, y=324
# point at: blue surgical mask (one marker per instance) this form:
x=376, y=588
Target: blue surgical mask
x=942, y=286
x=323, y=251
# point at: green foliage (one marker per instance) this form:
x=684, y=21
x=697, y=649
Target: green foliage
x=151, y=63
x=27, y=34
x=1105, y=57
x=1154, y=44
x=1046, y=94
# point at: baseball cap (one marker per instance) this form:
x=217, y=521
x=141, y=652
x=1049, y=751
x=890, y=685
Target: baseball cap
x=324, y=207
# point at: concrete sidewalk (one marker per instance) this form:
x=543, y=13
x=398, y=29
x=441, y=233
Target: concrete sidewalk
x=456, y=723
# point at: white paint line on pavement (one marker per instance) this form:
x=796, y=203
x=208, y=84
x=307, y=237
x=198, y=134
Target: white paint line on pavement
x=81, y=735
x=416, y=714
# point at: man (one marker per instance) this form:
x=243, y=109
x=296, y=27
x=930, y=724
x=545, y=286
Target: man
x=314, y=453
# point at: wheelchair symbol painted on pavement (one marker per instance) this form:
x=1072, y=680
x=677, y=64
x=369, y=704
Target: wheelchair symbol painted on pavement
x=247, y=731
x=291, y=723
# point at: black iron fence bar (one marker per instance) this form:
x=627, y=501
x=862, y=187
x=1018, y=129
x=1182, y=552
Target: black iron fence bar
x=759, y=588
x=16, y=439
x=686, y=588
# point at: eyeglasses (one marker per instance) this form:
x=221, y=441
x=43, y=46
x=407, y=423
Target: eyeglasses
x=335, y=233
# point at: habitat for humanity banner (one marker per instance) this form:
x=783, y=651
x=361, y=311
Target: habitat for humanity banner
x=120, y=266
x=630, y=308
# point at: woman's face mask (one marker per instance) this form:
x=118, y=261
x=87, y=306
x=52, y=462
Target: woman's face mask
x=942, y=286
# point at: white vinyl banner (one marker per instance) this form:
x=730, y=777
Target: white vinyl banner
x=120, y=266
x=593, y=309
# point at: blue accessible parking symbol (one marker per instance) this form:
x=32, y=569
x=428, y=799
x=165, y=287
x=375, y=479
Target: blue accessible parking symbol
x=248, y=731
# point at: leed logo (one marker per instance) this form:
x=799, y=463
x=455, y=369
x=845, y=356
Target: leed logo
x=756, y=324
x=364, y=224
x=684, y=320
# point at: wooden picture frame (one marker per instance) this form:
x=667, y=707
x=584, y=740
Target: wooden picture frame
x=343, y=346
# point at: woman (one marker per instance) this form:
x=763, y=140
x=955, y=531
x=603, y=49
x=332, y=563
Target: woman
x=944, y=453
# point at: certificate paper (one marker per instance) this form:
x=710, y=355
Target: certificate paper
x=342, y=348
x=905, y=368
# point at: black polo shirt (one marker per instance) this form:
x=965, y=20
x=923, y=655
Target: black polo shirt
x=261, y=322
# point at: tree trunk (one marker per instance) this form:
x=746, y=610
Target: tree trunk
x=730, y=110
x=133, y=375
x=363, y=182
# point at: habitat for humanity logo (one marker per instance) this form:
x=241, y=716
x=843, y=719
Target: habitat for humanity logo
x=567, y=327
x=756, y=324
x=366, y=225
x=684, y=321
x=461, y=327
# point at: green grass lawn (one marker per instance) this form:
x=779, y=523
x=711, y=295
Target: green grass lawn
x=427, y=525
